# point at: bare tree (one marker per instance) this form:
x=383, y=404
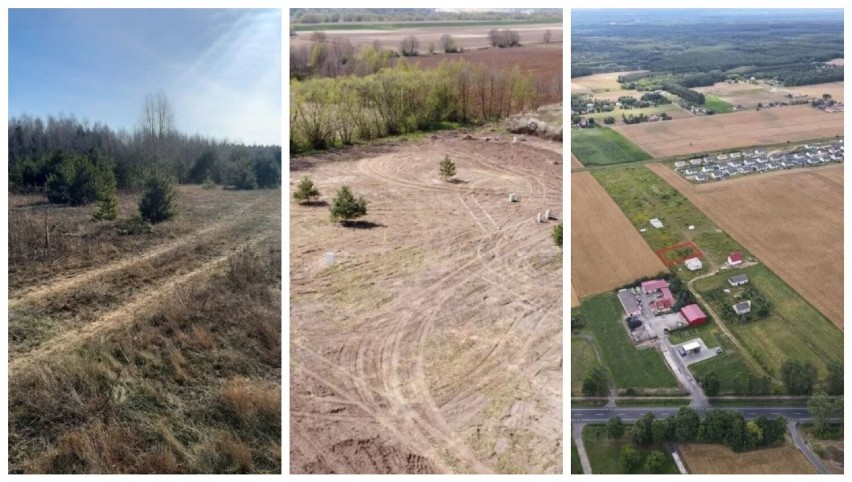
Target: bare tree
x=448, y=44
x=547, y=36
x=158, y=115
x=409, y=46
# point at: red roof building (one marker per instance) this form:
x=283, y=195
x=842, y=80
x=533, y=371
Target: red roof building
x=654, y=285
x=693, y=315
x=735, y=258
x=666, y=302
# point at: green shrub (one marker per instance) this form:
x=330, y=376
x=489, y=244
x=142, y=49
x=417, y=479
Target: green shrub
x=108, y=207
x=158, y=202
x=77, y=179
x=557, y=234
x=306, y=191
x=345, y=207
x=208, y=183
x=448, y=168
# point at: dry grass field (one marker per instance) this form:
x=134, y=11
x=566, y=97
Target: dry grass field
x=434, y=341
x=718, y=459
x=598, y=83
x=155, y=352
x=738, y=129
x=606, y=250
x=791, y=220
x=469, y=37
x=745, y=94
x=816, y=90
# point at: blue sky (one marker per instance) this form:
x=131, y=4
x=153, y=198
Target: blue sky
x=220, y=68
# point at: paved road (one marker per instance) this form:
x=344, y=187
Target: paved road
x=805, y=448
x=631, y=414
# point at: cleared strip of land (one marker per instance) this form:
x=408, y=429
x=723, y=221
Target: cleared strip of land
x=738, y=129
x=606, y=250
x=835, y=89
x=718, y=459
x=792, y=221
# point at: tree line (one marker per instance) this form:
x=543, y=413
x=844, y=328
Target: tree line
x=334, y=15
x=38, y=147
x=328, y=112
x=719, y=426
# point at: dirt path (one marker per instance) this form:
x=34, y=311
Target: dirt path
x=58, y=284
x=414, y=359
x=263, y=212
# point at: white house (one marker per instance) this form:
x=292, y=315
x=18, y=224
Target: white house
x=693, y=264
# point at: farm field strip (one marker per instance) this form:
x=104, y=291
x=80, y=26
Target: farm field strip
x=606, y=250
x=834, y=89
x=416, y=374
x=759, y=212
x=602, y=146
x=737, y=129
x=718, y=459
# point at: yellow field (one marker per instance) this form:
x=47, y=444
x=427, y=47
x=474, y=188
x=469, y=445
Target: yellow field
x=718, y=459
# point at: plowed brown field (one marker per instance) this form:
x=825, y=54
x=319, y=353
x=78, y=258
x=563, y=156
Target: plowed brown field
x=791, y=220
x=718, y=459
x=738, y=129
x=434, y=342
x=606, y=249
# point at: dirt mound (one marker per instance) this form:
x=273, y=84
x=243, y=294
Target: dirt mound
x=534, y=127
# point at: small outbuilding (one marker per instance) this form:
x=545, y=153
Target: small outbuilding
x=738, y=280
x=691, y=347
x=656, y=223
x=693, y=315
x=742, y=307
x=735, y=258
x=693, y=264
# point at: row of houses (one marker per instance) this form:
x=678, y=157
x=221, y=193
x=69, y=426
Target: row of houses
x=724, y=166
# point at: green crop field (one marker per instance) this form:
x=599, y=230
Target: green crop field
x=642, y=195
x=602, y=146
x=628, y=366
x=604, y=452
x=717, y=105
x=793, y=330
x=583, y=361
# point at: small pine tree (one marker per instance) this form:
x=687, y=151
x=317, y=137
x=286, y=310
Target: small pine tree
x=108, y=207
x=158, y=202
x=345, y=207
x=208, y=183
x=448, y=168
x=306, y=191
x=557, y=234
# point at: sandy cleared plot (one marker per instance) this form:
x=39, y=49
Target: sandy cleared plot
x=599, y=82
x=835, y=62
x=792, y=221
x=606, y=250
x=575, y=301
x=738, y=129
x=745, y=94
x=575, y=163
x=469, y=37
x=613, y=95
x=816, y=90
x=718, y=459
x=434, y=342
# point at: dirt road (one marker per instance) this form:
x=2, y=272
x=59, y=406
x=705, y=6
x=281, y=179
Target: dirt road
x=433, y=344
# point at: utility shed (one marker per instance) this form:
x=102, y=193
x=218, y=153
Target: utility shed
x=693, y=315
x=692, y=346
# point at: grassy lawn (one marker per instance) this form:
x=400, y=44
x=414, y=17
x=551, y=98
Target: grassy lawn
x=576, y=465
x=628, y=366
x=793, y=330
x=604, y=453
x=642, y=195
x=707, y=332
x=583, y=361
x=652, y=402
x=717, y=105
x=602, y=146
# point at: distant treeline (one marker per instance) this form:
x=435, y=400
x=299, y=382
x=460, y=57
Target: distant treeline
x=327, y=112
x=334, y=15
x=789, y=50
x=36, y=147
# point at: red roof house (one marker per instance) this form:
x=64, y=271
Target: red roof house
x=667, y=300
x=735, y=258
x=654, y=285
x=693, y=315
